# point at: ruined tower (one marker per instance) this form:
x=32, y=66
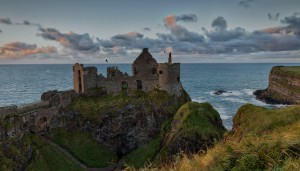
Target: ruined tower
x=169, y=76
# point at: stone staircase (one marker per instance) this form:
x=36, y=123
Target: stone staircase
x=76, y=161
x=66, y=153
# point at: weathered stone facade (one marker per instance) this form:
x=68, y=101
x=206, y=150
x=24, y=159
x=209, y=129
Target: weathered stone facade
x=147, y=74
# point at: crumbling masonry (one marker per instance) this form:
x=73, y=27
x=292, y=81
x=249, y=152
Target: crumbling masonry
x=147, y=75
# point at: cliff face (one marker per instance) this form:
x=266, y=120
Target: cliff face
x=123, y=122
x=284, y=86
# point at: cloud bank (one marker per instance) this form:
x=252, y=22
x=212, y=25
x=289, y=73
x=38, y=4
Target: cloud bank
x=246, y=3
x=17, y=50
x=77, y=42
x=219, y=40
x=6, y=21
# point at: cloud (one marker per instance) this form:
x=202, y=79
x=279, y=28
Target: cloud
x=274, y=17
x=78, y=42
x=246, y=3
x=146, y=29
x=28, y=23
x=292, y=21
x=187, y=18
x=218, y=39
x=219, y=23
x=6, y=21
x=17, y=50
x=221, y=33
x=0, y=31
x=180, y=32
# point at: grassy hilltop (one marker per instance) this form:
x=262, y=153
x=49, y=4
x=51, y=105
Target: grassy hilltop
x=262, y=139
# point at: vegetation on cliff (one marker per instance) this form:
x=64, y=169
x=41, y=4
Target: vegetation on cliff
x=284, y=86
x=262, y=139
x=31, y=152
x=82, y=146
x=90, y=107
x=193, y=128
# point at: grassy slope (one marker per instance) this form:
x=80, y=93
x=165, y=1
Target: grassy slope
x=294, y=69
x=90, y=108
x=44, y=156
x=194, y=118
x=84, y=147
x=263, y=139
x=48, y=158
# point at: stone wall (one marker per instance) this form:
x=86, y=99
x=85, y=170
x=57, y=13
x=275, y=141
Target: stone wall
x=169, y=78
x=147, y=75
x=8, y=110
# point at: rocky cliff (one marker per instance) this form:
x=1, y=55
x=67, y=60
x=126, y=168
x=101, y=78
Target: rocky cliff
x=284, y=86
x=123, y=122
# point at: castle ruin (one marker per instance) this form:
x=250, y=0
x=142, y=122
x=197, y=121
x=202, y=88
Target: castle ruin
x=147, y=75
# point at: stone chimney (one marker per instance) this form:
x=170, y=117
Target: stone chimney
x=170, y=58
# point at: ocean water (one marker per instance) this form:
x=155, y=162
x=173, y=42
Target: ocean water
x=23, y=84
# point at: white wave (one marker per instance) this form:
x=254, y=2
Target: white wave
x=248, y=92
x=220, y=109
x=198, y=100
x=235, y=100
x=227, y=93
x=224, y=117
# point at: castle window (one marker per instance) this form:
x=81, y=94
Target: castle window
x=139, y=84
x=124, y=85
x=178, y=79
x=113, y=74
x=153, y=70
x=160, y=72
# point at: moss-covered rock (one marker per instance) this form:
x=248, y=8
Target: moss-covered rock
x=195, y=127
x=125, y=121
x=262, y=139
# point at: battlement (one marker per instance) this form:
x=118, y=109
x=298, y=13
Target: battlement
x=147, y=74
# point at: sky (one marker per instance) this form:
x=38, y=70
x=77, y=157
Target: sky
x=195, y=31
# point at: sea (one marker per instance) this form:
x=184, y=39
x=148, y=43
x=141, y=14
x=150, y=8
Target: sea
x=23, y=84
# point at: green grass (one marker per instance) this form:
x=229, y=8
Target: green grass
x=262, y=139
x=196, y=118
x=84, y=147
x=48, y=158
x=144, y=154
x=255, y=120
x=44, y=157
x=92, y=107
x=294, y=69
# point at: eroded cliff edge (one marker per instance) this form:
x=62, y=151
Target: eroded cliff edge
x=284, y=86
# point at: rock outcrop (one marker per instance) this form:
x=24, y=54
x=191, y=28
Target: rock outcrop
x=194, y=128
x=123, y=122
x=284, y=86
